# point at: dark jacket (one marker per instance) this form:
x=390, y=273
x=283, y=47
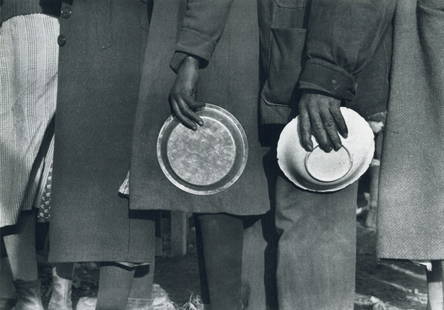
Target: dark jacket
x=224, y=34
x=341, y=48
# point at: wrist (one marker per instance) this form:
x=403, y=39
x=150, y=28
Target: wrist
x=190, y=62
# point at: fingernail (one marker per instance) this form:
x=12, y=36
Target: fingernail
x=201, y=123
x=194, y=128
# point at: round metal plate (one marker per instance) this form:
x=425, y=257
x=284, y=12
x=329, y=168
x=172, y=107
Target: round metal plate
x=208, y=160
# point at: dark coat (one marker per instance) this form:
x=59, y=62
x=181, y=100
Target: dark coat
x=101, y=53
x=341, y=48
x=231, y=80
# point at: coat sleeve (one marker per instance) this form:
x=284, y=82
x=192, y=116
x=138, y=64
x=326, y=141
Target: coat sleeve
x=202, y=26
x=342, y=36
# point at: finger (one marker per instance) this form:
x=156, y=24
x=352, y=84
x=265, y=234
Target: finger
x=182, y=118
x=186, y=104
x=318, y=130
x=339, y=120
x=305, y=131
x=330, y=128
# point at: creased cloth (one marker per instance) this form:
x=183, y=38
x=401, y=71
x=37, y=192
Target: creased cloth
x=411, y=198
x=28, y=86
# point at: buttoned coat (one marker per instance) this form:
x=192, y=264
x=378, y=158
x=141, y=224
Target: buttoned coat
x=101, y=49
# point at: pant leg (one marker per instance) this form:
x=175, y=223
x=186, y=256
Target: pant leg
x=21, y=249
x=317, y=248
x=259, y=262
x=7, y=290
x=221, y=235
x=253, y=263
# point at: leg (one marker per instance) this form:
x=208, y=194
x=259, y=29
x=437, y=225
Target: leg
x=259, y=264
x=61, y=287
x=435, y=286
x=21, y=250
x=20, y=247
x=140, y=296
x=253, y=268
x=222, y=249
x=317, y=248
x=114, y=287
x=7, y=291
x=142, y=284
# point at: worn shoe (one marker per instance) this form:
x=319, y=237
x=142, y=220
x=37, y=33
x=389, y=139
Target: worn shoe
x=160, y=301
x=87, y=303
x=28, y=295
x=61, y=293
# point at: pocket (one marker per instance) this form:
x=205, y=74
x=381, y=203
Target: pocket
x=288, y=13
x=286, y=51
x=291, y=3
x=287, y=46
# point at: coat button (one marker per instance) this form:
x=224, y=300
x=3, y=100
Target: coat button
x=66, y=12
x=61, y=40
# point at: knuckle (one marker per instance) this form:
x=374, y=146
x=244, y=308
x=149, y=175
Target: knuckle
x=317, y=127
x=329, y=124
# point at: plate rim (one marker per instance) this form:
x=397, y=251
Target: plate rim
x=172, y=121
x=334, y=187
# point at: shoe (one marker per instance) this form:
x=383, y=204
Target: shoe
x=28, y=295
x=159, y=301
x=61, y=293
x=87, y=303
x=7, y=303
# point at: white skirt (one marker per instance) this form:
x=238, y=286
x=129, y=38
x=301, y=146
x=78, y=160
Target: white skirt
x=28, y=91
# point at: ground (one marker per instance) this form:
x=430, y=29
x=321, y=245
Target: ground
x=398, y=285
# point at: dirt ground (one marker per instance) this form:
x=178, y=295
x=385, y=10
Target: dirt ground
x=398, y=285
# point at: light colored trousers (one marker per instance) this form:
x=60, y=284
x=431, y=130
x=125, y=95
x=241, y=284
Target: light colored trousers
x=316, y=251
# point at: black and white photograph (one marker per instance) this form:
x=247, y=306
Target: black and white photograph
x=221, y=154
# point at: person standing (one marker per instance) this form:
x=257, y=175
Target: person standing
x=411, y=199
x=317, y=56
x=28, y=87
x=101, y=48
x=203, y=51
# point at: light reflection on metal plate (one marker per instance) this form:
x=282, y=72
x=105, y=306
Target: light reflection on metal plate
x=206, y=161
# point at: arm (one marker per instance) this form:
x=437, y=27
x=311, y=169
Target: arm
x=342, y=37
x=202, y=27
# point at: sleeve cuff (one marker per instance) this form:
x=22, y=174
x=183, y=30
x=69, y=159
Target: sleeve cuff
x=327, y=78
x=192, y=43
x=176, y=60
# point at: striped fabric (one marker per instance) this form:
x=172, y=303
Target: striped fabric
x=28, y=86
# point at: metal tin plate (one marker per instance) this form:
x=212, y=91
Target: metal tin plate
x=208, y=160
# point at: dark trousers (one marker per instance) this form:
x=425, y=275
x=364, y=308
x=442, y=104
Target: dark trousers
x=317, y=248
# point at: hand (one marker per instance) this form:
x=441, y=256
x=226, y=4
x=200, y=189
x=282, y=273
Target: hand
x=320, y=116
x=182, y=94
